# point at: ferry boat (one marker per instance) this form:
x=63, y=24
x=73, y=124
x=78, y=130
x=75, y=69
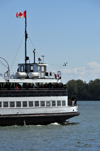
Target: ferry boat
x=34, y=96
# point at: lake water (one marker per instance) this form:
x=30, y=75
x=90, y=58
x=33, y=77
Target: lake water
x=81, y=133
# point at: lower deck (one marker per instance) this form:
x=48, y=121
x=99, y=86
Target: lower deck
x=35, y=106
x=32, y=105
x=35, y=110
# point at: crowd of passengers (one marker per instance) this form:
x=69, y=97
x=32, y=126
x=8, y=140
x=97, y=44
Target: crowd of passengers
x=27, y=86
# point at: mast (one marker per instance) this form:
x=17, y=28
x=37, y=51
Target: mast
x=26, y=36
x=23, y=15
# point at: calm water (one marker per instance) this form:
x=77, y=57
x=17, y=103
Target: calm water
x=81, y=133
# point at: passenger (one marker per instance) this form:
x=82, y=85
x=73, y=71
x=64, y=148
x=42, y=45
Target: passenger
x=16, y=87
x=33, y=85
x=74, y=99
x=27, y=86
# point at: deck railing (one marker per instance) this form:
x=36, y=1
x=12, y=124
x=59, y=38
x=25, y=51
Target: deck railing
x=33, y=92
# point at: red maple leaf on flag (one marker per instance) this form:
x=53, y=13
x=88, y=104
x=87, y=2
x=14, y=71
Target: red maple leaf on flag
x=20, y=14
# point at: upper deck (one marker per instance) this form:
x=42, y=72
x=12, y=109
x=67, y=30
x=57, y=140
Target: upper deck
x=27, y=90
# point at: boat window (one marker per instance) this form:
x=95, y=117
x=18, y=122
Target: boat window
x=30, y=103
x=42, y=103
x=0, y=104
x=31, y=68
x=63, y=103
x=47, y=103
x=18, y=104
x=24, y=103
x=5, y=104
x=22, y=69
x=38, y=68
x=42, y=68
x=58, y=103
x=36, y=103
x=53, y=103
x=12, y=104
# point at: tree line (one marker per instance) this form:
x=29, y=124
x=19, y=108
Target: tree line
x=83, y=90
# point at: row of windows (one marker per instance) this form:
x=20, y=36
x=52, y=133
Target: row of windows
x=30, y=67
x=32, y=103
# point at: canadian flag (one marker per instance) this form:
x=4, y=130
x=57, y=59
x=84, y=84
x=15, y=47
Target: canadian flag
x=21, y=14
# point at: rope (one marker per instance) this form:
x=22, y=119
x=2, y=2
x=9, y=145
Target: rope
x=31, y=42
x=33, y=45
x=17, y=52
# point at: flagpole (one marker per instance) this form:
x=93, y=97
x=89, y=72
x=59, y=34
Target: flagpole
x=23, y=15
x=25, y=41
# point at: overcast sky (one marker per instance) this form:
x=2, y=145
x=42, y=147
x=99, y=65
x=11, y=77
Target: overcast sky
x=62, y=30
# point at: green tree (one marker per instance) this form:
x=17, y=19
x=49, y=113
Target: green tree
x=72, y=88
